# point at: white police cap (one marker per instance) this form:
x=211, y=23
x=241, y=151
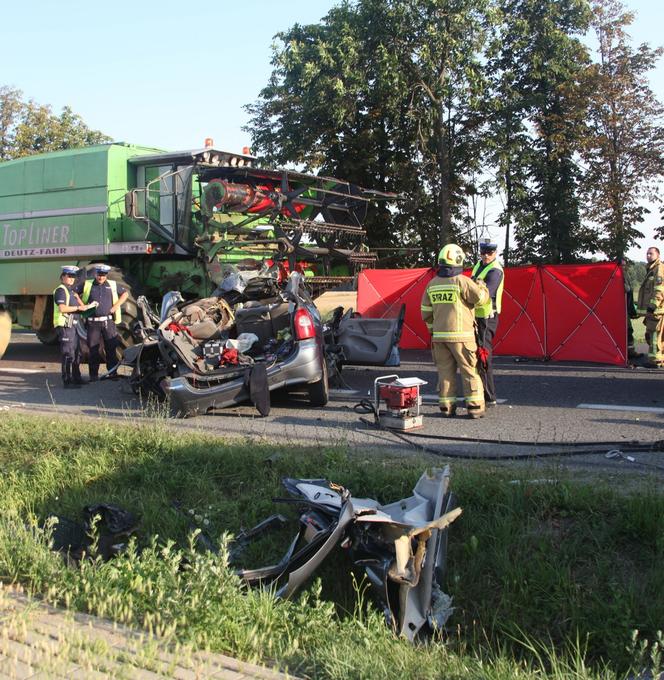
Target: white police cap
x=102, y=268
x=69, y=269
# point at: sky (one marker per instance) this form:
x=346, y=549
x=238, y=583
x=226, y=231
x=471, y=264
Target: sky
x=168, y=74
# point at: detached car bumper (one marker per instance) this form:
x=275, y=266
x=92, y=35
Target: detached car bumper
x=189, y=398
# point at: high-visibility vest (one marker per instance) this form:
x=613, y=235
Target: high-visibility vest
x=87, y=287
x=485, y=311
x=59, y=319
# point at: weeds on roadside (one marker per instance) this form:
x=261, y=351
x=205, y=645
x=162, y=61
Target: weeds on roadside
x=542, y=574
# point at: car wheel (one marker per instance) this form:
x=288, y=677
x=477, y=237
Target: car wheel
x=319, y=391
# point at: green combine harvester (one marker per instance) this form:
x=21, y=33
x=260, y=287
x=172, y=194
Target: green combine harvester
x=166, y=221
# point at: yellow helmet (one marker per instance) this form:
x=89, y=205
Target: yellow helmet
x=451, y=254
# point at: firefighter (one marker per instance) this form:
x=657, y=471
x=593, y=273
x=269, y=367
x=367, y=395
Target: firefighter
x=654, y=322
x=66, y=304
x=109, y=297
x=631, y=313
x=648, y=307
x=448, y=311
x=490, y=271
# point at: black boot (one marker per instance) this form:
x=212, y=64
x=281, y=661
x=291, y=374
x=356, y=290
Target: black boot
x=77, y=379
x=475, y=412
x=67, y=381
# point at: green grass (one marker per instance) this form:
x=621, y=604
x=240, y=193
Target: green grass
x=549, y=580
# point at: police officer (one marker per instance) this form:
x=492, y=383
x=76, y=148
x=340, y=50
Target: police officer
x=490, y=271
x=448, y=311
x=647, y=305
x=66, y=304
x=109, y=297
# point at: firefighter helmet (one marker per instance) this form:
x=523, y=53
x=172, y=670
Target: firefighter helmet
x=452, y=255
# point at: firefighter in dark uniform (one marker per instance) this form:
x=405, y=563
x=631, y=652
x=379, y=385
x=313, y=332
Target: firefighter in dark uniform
x=649, y=308
x=101, y=325
x=631, y=313
x=66, y=305
x=490, y=271
x=447, y=310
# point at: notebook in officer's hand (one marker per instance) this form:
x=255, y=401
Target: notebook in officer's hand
x=88, y=310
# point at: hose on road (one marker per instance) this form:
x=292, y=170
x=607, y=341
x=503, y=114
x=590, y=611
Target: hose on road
x=572, y=448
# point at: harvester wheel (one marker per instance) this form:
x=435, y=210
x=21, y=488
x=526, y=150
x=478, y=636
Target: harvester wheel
x=5, y=330
x=129, y=309
x=129, y=313
x=48, y=337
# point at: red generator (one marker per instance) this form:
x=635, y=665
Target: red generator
x=402, y=401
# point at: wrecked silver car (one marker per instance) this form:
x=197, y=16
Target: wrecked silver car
x=251, y=337
x=401, y=546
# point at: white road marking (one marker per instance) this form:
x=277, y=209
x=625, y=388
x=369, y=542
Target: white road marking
x=19, y=370
x=616, y=407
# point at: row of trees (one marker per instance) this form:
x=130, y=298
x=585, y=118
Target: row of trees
x=453, y=103
x=27, y=127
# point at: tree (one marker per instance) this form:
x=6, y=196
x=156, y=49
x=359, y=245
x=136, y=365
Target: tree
x=11, y=108
x=635, y=273
x=430, y=97
x=509, y=139
x=316, y=110
x=384, y=93
x=551, y=92
x=624, y=150
x=27, y=127
x=442, y=60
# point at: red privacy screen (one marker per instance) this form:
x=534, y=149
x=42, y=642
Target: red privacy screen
x=557, y=312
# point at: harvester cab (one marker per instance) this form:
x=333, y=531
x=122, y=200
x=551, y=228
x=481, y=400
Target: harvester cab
x=223, y=209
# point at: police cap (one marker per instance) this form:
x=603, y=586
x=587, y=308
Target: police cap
x=69, y=270
x=102, y=269
x=487, y=246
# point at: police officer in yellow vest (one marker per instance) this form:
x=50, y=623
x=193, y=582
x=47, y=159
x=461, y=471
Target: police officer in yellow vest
x=448, y=311
x=66, y=304
x=647, y=306
x=109, y=297
x=489, y=271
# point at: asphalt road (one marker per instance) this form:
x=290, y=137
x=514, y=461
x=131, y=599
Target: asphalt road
x=541, y=408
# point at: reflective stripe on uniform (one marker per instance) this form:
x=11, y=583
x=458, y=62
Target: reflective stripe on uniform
x=446, y=400
x=454, y=336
